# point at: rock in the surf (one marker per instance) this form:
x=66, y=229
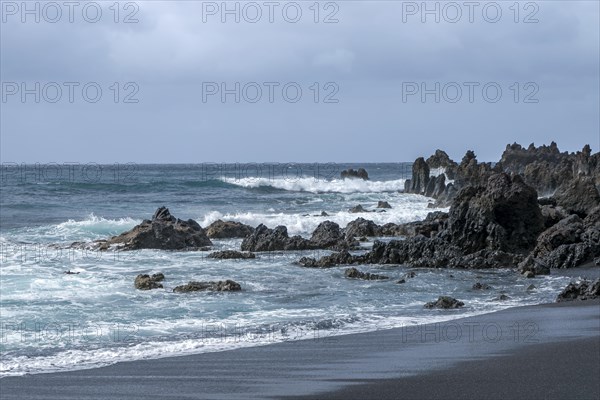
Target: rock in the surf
x=211, y=286
x=163, y=232
x=228, y=229
x=147, y=282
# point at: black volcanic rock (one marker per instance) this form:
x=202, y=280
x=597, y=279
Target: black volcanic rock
x=147, y=282
x=578, y=196
x=231, y=255
x=228, y=229
x=265, y=239
x=569, y=243
x=361, y=173
x=357, y=209
x=163, y=232
x=211, y=286
x=353, y=273
x=445, y=302
x=420, y=176
x=383, y=204
x=504, y=215
x=584, y=290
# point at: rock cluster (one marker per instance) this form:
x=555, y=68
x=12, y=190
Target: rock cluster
x=361, y=173
x=356, y=274
x=584, y=290
x=327, y=235
x=445, y=302
x=147, y=282
x=163, y=232
x=228, y=229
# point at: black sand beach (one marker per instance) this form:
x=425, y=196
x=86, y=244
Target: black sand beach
x=538, y=352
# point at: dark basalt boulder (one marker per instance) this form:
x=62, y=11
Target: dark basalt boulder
x=440, y=159
x=220, y=286
x=357, y=209
x=361, y=173
x=147, y=282
x=578, y=196
x=361, y=227
x=503, y=215
x=584, y=290
x=328, y=235
x=353, y=273
x=228, y=229
x=328, y=261
x=163, y=232
x=265, y=239
x=569, y=243
x=445, y=302
x=383, y=204
x=230, y=255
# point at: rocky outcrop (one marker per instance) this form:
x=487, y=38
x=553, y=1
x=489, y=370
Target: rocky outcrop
x=328, y=261
x=584, y=290
x=578, y=196
x=211, y=286
x=353, y=273
x=265, y=239
x=163, y=232
x=569, y=243
x=147, y=282
x=361, y=173
x=504, y=215
x=362, y=227
x=231, y=254
x=327, y=235
x=228, y=229
x=445, y=302
x=420, y=177
x=440, y=159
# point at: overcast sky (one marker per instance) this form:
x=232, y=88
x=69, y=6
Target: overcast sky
x=361, y=70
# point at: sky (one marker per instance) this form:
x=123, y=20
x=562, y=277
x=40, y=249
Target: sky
x=305, y=81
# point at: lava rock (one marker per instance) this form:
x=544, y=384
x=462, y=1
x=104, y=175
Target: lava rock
x=228, y=229
x=481, y=286
x=147, y=282
x=163, y=232
x=231, y=254
x=361, y=173
x=445, y=302
x=383, y=204
x=584, y=290
x=356, y=274
x=220, y=286
x=357, y=209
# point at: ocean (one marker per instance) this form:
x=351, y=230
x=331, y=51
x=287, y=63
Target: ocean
x=51, y=321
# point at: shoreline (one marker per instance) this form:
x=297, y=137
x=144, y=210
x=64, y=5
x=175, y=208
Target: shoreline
x=383, y=363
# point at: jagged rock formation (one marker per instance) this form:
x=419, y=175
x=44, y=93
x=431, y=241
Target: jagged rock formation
x=228, y=229
x=361, y=173
x=163, y=232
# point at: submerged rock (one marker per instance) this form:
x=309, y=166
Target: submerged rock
x=231, y=254
x=163, y=232
x=383, y=204
x=584, y=290
x=220, y=286
x=147, y=282
x=445, y=302
x=481, y=286
x=357, y=209
x=356, y=274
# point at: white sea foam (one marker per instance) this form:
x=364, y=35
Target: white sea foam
x=321, y=186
